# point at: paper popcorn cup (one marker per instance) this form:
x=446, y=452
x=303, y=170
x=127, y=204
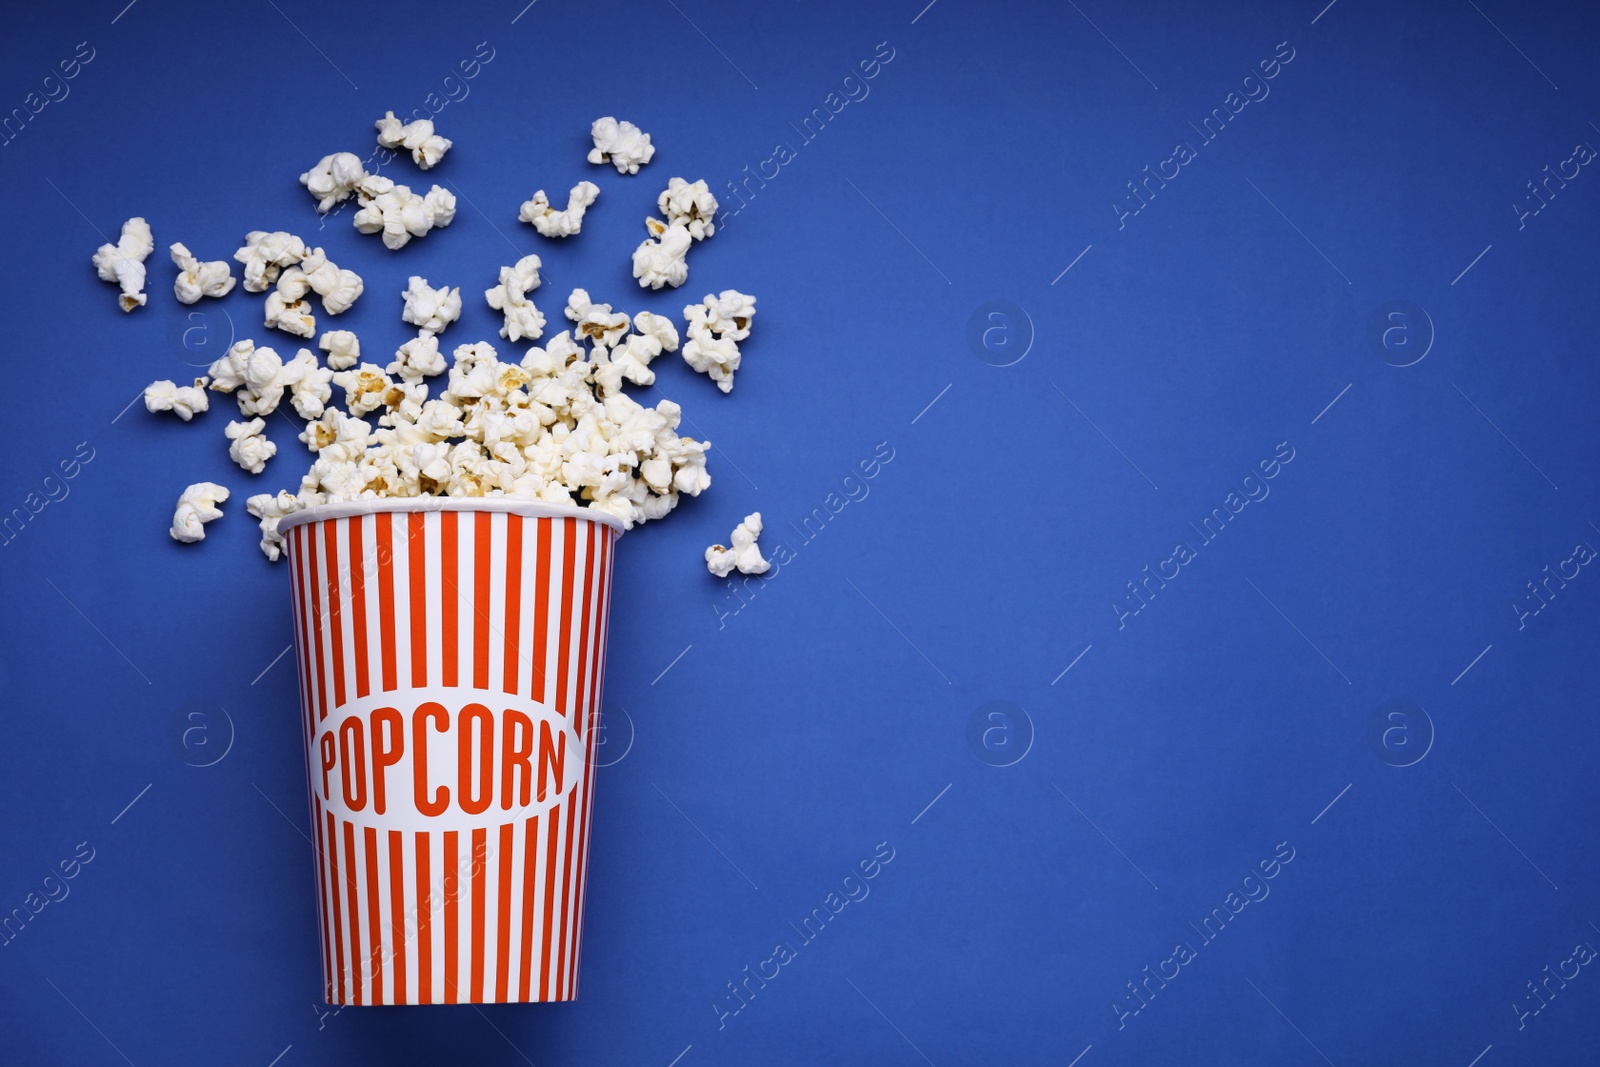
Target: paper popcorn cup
x=451, y=656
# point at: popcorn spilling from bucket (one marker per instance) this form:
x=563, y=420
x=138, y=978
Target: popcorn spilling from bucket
x=551, y=423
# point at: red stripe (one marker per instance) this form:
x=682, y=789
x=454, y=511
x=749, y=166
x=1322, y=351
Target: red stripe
x=479, y=932
x=322, y=893
x=595, y=698
x=355, y=909
x=541, y=609
x=418, y=595
x=566, y=891
x=424, y=916
x=530, y=859
x=397, y=911
x=569, y=539
x=449, y=594
x=330, y=539
x=374, y=917
x=452, y=890
x=482, y=623
x=319, y=676
x=358, y=602
x=502, y=972
x=583, y=633
x=332, y=842
x=549, y=904
x=297, y=564
x=513, y=620
x=385, y=522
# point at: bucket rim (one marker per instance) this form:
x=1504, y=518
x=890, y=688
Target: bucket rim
x=528, y=509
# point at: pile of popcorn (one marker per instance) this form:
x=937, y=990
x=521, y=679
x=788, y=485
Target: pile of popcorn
x=552, y=424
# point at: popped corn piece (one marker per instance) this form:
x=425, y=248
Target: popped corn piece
x=661, y=260
x=622, y=144
x=596, y=323
x=745, y=553
x=653, y=334
x=123, y=262
x=292, y=315
x=269, y=509
x=418, y=358
x=182, y=400
x=196, y=279
x=338, y=288
x=712, y=355
x=430, y=309
x=265, y=254
x=333, y=179
x=366, y=389
x=196, y=507
x=552, y=223
x=728, y=314
x=250, y=448
x=510, y=298
x=343, y=348
x=309, y=389
x=398, y=213
x=425, y=146
x=257, y=377
x=690, y=206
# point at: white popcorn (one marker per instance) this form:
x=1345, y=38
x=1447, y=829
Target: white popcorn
x=745, y=553
x=197, y=279
x=510, y=298
x=250, y=449
x=196, y=507
x=428, y=308
x=661, y=260
x=418, y=358
x=425, y=146
x=727, y=314
x=123, y=262
x=652, y=335
x=398, y=213
x=291, y=314
x=596, y=323
x=309, y=388
x=184, y=401
x=690, y=206
x=338, y=288
x=552, y=223
x=367, y=388
x=710, y=354
x=343, y=348
x=265, y=254
x=333, y=179
x=258, y=377
x=269, y=509
x=622, y=144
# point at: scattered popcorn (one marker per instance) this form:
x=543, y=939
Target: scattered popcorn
x=196, y=507
x=250, y=449
x=652, y=335
x=690, y=206
x=745, y=553
x=510, y=298
x=398, y=213
x=622, y=144
x=309, y=388
x=430, y=309
x=258, y=376
x=269, y=509
x=197, y=279
x=123, y=262
x=715, y=324
x=660, y=260
x=366, y=389
x=183, y=400
x=426, y=147
x=338, y=288
x=291, y=314
x=265, y=254
x=418, y=358
x=333, y=179
x=552, y=223
x=343, y=348
x=595, y=322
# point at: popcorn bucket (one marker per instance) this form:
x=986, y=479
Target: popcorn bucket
x=451, y=657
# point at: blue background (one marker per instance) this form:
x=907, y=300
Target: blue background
x=833, y=711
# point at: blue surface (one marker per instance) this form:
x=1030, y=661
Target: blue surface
x=1241, y=715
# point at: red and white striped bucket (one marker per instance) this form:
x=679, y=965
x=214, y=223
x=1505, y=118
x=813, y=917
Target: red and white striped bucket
x=451, y=660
